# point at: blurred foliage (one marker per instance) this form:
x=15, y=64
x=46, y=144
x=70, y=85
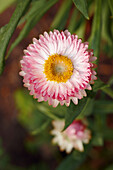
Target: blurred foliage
x=36, y=117
x=4, y=4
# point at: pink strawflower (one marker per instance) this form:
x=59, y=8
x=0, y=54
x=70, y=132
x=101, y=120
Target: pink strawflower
x=58, y=68
x=73, y=137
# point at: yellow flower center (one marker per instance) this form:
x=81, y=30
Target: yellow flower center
x=58, y=68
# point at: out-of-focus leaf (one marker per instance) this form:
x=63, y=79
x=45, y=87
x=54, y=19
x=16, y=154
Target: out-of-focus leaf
x=58, y=112
x=73, y=111
x=108, y=91
x=5, y=4
x=110, y=167
x=110, y=82
x=107, y=134
x=40, y=128
x=103, y=107
x=9, y=29
x=28, y=115
x=27, y=105
x=111, y=5
x=4, y=158
x=32, y=21
x=62, y=15
x=81, y=30
x=35, y=6
x=73, y=20
x=97, y=140
x=99, y=125
x=99, y=85
x=106, y=24
x=82, y=7
x=74, y=160
x=43, y=108
x=24, y=101
x=96, y=30
x=77, y=24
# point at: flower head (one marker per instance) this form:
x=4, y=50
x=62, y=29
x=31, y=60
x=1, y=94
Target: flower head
x=73, y=137
x=58, y=68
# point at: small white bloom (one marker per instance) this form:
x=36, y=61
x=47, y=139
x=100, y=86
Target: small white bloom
x=73, y=137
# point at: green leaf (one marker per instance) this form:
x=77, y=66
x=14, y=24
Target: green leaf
x=77, y=24
x=62, y=15
x=29, y=116
x=110, y=167
x=56, y=113
x=82, y=7
x=99, y=85
x=81, y=30
x=88, y=108
x=99, y=126
x=26, y=104
x=40, y=128
x=32, y=21
x=73, y=111
x=106, y=24
x=103, y=107
x=108, y=91
x=73, y=23
x=5, y=36
x=111, y=5
x=35, y=6
x=108, y=134
x=97, y=140
x=47, y=110
x=96, y=30
x=74, y=160
x=5, y=4
x=110, y=82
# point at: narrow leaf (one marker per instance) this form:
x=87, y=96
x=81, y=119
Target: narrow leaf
x=111, y=5
x=82, y=7
x=88, y=108
x=61, y=16
x=72, y=23
x=96, y=30
x=35, y=6
x=5, y=36
x=31, y=22
x=106, y=24
x=73, y=111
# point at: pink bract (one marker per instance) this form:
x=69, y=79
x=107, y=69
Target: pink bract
x=64, y=44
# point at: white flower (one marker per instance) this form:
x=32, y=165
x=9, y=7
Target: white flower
x=73, y=137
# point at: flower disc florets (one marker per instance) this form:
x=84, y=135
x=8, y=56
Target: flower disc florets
x=73, y=137
x=58, y=68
